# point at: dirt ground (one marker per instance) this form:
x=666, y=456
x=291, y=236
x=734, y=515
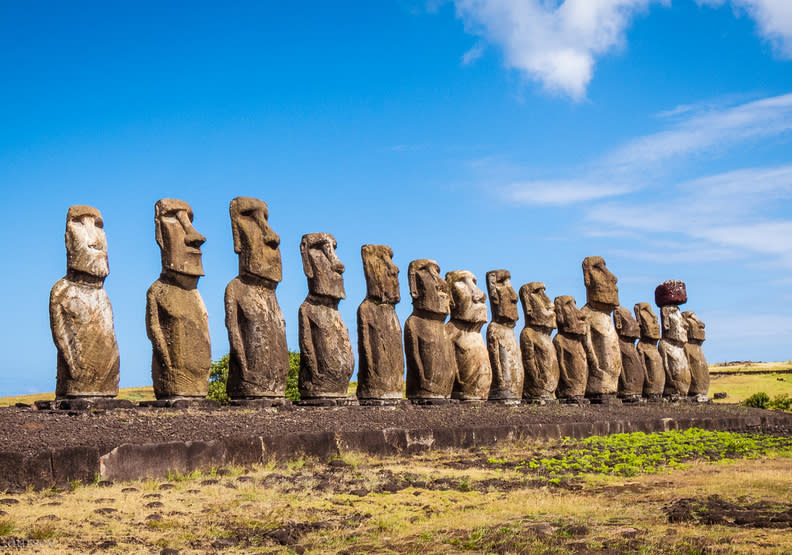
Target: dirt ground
x=24, y=430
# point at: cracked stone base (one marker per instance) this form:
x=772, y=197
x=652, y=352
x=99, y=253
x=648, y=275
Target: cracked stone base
x=181, y=403
x=608, y=400
x=508, y=402
x=382, y=402
x=84, y=403
x=701, y=398
x=633, y=400
x=260, y=402
x=540, y=401
x=433, y=402
x=329, y=402
x=574, y=401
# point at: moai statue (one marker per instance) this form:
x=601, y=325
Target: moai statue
x=258, y=365
x=380, y=351
x=430, y=355
x=573, y=345
x=468, y=315
x=631, y=380
x=81, y=318
x=176, y=319
x=668, y=296
x=504, y=351
x=699, y=371
x=602, y=296
x=538, y=353
x=654, y=379
x=326, y=357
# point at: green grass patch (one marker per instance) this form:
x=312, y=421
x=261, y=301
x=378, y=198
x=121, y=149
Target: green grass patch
x=639, y=453
x=739, y=387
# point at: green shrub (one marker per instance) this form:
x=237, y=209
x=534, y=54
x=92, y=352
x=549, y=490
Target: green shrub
x=781, y=402
x=760, y=400
x=218, y=377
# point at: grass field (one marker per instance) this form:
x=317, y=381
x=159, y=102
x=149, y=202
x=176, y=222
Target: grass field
x=471, y=501
x=750, y=367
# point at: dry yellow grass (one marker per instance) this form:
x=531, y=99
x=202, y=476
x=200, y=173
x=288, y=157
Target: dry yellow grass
x=346, y=507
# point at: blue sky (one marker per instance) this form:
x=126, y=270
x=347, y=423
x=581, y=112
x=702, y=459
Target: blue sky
x=517, y=134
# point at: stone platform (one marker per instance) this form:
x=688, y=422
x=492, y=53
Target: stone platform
x=49, y=448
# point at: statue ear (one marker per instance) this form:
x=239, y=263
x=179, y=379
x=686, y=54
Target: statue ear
x=525, y=299
x=158, y=231
x=307, y=266
x=451, y=302
x=411, y=278
x=233, y=210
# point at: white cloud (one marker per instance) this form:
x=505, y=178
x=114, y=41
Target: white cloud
x=557, y=42
x=473, y=54
x=559, y=192
x=773, y=19
x=553, y=43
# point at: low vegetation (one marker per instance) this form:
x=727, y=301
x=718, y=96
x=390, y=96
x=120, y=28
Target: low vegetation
x=710, y=492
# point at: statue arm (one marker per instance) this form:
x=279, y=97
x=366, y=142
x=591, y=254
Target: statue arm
x=413, y=351
x=307, y=352
x=591, y=355
x=61, y=333
x=154, y=330
x=495, y=352
x=528, y=355
x=364, y=342
x=234, y=334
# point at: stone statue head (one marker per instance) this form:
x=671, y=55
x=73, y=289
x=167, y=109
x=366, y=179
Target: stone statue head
x=569, y=317
x=539, y=310
x=694, y=326
x=428, y=290
x=86, y=244
x=600, y=284
x=647, y=320
x=382, y=275
x=324, y=270
x=179, y=242
x=503, y=298
x=626, y=326
x=467, y=300
x=673, y=324
x=254, y=241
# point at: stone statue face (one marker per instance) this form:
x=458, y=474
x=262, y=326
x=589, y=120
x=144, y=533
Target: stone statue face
x=428, y=290
x=600, y=283
x=467, y=300
x=180, y=244
x=86, y=244
x=324, y=270
x=569, y=317
x=503, y=298
x=694, y=326
x=539, y=310
x=673, y=324
x=626, y=326
x=647, y=320
x=382, y=275
x=254, y=241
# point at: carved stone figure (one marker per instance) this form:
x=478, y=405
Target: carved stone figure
x=672, y=351
x=504, y=351
x=572, y=344
x=176, y=319
x=602, y=296
x=468, y=315
x=326, y=357
x=631, y=380
x=699, y=371
x=654, y=379
x=429, y=353
x=380, y=351
x=258, y=365
x=81, y=318
x=538, y=353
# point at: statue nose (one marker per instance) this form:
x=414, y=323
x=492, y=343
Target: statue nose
x=193, y=238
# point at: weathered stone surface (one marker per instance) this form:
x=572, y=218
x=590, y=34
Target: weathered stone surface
x=81, y=318
x=176, y=319
x=326, y=357
x=602, y=296
x=699, y=371
x=671, y=292
x=380, y=350
x=539, y=357
x=258, y=364
x=631, y=380
x=468, y=315
x=672, y=351
x=654, y=378
x=504, y=352
x=429, y=353
x=572, y=344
